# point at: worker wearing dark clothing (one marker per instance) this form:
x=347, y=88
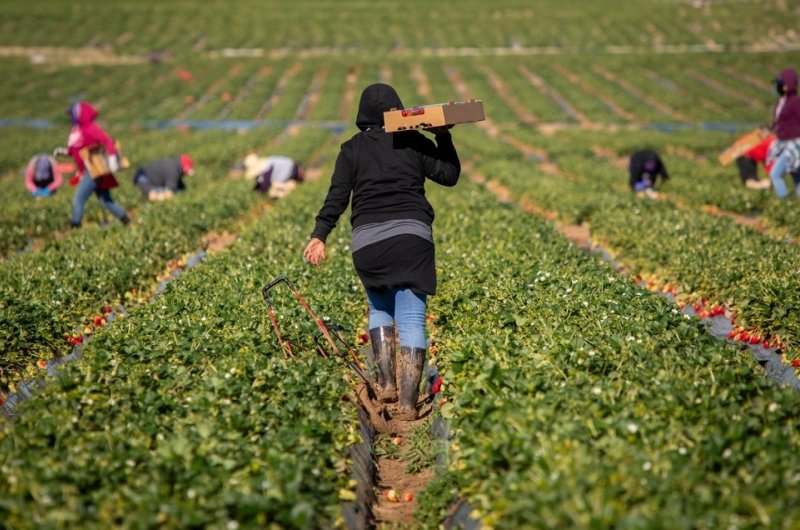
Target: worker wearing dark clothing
x=164, y=175
x=645, y=166
x=382, y=176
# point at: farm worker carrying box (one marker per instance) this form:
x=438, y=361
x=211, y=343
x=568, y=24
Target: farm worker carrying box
x=42, y=176
x=784, y=153
x=161, y=179
x=382, y=177
x=86, y=140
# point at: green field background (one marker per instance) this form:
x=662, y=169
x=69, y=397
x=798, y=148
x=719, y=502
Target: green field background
x=576, y=398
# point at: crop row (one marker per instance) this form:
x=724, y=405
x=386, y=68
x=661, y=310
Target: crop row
x=699, y=180
x=575, y=397
x=213, y=152
x=147, y=27
x=47, y=294
x=527, y=90
x=186, y=412
x=703, y=256
x=579, y=400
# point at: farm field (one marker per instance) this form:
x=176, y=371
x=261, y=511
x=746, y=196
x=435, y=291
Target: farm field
x=608, y=361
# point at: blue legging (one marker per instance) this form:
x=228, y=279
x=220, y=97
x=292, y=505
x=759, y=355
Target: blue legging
x=403, y=307
x=779, y=169
x=86, y=187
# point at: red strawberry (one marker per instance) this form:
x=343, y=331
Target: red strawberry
x=106, y=309
x=755, y=339
x=796, y=363
x=437, y=385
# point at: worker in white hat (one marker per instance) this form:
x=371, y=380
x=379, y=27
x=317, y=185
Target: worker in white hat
x=276, y=175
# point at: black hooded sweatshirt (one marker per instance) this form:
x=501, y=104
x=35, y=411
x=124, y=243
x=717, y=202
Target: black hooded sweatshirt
x=384, y=175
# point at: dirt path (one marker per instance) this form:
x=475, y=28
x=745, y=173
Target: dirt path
x=754, y=223
x=385, y=75
x=309, y=101
x=719, y=88
x=280, y=88
x=745, y=78
x=420, y=80
x=464, y=92
x=244, y=91
x=670, y=85
x=304, y=108
x=349, y=95
x=209, y=93
x=499, y=86
x=70, y=56
x=765, y=45
x=638, y=94
x=579, y=234
x=216, y=241
x=393, y=477
x=560, y=101
x=595, y=93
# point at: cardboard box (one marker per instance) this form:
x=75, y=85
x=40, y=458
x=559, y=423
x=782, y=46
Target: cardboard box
x=742, y=145
x=433, y=115
x=95, y=159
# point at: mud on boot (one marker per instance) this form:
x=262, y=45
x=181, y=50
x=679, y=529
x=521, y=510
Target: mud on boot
x=383, y=340
x=376, y=410
x=410, y=364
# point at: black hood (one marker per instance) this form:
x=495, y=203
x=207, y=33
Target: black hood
x=375, y=100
